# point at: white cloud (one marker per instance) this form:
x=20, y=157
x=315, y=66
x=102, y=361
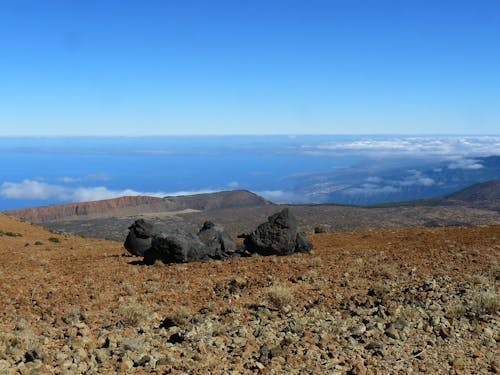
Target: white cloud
x=416, y=178
x=36, y=190
x=376, y=185
x=233, y=184
x=371, y=189
x=465, y=164
x=68, y=180
x=30, y=189
x=280, y=196
x=89, y=177
x=423, y=146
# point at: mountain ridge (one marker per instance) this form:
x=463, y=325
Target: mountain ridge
x=135, y=205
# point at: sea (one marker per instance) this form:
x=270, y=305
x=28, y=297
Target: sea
x=44, y=170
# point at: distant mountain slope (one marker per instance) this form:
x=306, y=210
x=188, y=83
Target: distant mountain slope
x=486, y=191
x=481, y=195
x=371, y=184
x=484, y=195
x=140, y=205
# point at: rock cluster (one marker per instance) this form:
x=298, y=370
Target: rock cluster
x=278, y=236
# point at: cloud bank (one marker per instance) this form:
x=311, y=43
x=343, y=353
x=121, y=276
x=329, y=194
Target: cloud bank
x=39, y=190
x=415, y=146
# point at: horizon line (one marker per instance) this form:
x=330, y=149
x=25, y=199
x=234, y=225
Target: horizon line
x=239, y=135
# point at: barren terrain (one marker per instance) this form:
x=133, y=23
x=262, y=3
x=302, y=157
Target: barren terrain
x=420, y=300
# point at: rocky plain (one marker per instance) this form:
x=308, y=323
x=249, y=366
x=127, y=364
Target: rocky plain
x=385, y=301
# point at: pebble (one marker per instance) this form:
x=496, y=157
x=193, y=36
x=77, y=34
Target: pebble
x=358, y=329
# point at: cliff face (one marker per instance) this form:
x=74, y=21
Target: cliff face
x=137, y=205
x=98, y=208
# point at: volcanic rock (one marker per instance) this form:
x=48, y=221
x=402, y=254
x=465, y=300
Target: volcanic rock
x=214, y=237
x=139, y=237
x=178, y=247
x=210, y=243
x=278, y=236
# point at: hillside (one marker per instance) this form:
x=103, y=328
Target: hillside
x=139, y=205
x=375, y=302
x=482, y=195
x=485, y=195
x=240, y=211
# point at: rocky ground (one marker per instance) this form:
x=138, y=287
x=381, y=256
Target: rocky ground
x=367, y=302
x=245, y=219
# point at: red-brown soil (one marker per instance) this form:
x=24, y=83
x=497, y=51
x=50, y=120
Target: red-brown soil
x=84, y=306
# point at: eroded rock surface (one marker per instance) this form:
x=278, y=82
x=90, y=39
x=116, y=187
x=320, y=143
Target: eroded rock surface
x=278, y=236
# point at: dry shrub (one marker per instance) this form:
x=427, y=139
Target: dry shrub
x=127, y=288
x=385, y=271
x=475, y=279
x=315, y=262
x=456, y=310
x=486, y=303
x=132, y=313
x=180, y=315
x=280, y=295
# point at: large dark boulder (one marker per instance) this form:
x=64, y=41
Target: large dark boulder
x=177, y=247
x=278, y=236
x=217, y=240
x=139, y=237
x=169, y=245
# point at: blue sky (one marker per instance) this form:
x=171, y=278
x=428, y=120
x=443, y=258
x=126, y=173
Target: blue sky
x=249, y=67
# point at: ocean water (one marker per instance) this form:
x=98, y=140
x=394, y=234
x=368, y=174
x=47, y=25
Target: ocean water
x=37, y=171
x=48, y=170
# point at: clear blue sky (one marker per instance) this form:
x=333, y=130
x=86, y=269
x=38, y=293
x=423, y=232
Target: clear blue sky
x=239, y=67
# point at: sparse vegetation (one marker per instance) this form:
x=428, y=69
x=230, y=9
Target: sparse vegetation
x=315, y=262
x=54, y=239
x=180, y=315
x=386, y=271
x=280, y=296
x=486, y=303
x=456, y=310
x=355, y=301
x=10, y=234
x=131, y=313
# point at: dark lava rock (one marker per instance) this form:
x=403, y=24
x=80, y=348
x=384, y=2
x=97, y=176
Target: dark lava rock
x=178, y=247
x=139, y=237
x=278, y=236
x=214, y=237
x=32, y=355
x=210, y=243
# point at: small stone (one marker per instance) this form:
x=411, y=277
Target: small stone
x=358, y=329
x=392, y=332
x=374, y=345
x=101, y=355
x=359, y=369
x=476, y=354
x=488, y=332
x=126, y=365
x=32, y=355
x=444, y=332
x=259, y=365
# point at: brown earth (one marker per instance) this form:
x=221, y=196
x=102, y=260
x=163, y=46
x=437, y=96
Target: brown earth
x=421, y=300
